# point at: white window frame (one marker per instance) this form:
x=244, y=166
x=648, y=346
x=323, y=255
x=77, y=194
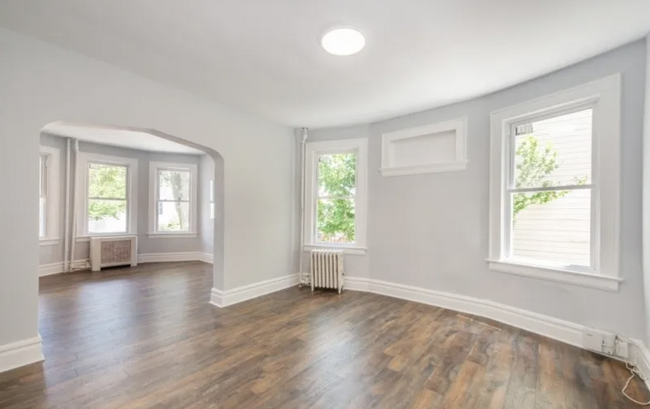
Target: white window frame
x=603, y=96
x=212, y=199
x=52, y=203
x=154, y=167
x=312, y=151
x=83, y=160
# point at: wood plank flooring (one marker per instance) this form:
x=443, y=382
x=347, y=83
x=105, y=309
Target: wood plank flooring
x=146, y=337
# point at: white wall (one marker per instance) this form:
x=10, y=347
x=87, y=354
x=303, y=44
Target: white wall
x=431, y=230
x=146, y=245
x=42, y=83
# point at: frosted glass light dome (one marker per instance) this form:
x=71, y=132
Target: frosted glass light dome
x=343, y=41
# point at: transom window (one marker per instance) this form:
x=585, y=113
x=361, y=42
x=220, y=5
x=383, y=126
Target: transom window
x=174, y=192
x=555, y=187
x=335, y=194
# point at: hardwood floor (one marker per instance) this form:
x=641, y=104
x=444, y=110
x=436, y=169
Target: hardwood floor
x=147, y=338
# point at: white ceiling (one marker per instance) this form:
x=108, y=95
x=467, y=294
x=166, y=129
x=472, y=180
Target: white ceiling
x=123, y=138
x=265, y=57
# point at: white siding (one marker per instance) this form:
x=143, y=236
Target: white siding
x=559, y=230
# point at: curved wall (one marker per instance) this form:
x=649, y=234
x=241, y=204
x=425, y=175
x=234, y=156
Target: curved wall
x=431, y=231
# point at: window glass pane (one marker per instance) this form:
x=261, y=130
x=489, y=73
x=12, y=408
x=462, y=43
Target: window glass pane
x=42, y=176
x=337, y=174
x=42, y=212
x=106, y=181
x=106, y=216
x=554, y=152
x=173, y=216
x=335, y=221
x=174, y=185
x=553, y=227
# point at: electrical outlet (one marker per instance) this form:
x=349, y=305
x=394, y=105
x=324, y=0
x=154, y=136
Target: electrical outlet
x=593, y=340
x=622, y=349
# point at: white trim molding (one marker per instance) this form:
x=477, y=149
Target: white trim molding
x=57, y=268
x=154, y=186
x=207, y=258
x=457, y=159
x=21, y=353
x=353, y=251
x=52, y=201
x=312, y=153
x=170, y=257
x=223, y=299
x=640, y=356
x=598, y=282
x=603, y=97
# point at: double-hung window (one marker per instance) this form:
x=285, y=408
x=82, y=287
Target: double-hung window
x=335, y=195
x=173, y=194
x=555, y=187
x=48, y=198
x=107, y=187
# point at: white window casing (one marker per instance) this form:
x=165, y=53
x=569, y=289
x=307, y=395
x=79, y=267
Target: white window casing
x=313, y=151
x=603, y=97
x=84, y=159
x=51, y=189
x=154, y=183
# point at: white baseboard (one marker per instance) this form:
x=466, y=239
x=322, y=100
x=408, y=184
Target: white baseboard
x=554, y=328
x=207, y=258
x=640, y=356
x=56, y=268
x=20, y=353
x=236, y=295
x=170, y=257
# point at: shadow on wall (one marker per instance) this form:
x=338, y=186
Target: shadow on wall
x=76, y=130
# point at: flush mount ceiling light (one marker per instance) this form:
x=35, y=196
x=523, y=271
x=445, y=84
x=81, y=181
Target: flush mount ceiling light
x=343, y=41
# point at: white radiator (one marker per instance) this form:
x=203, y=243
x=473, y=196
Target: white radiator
x=113, y=251
x=327, y=269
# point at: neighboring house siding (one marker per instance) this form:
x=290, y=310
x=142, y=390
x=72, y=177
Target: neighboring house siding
x=560, y=230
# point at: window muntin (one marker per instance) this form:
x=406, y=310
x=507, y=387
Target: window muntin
x=549, y=190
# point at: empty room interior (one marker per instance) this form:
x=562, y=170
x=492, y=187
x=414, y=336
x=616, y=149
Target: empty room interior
x=325, y=204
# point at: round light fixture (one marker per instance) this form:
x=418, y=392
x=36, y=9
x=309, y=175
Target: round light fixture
x=343, y=41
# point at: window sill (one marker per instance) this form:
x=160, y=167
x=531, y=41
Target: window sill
x=353, y=251
x=172, y=235
x=49, y=242
x=556, y=274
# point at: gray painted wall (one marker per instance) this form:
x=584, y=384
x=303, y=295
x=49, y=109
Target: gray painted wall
x=146, y=245
x=206, y=224
x=431, y=231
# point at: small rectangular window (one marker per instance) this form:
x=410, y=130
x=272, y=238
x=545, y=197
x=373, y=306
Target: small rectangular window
x=107, y=198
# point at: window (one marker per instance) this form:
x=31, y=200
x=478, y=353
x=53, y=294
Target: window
x=335, y=189
x=173, y=190
x=48, y=197
x=212, y=199
x=107, y=186
x=555, y=187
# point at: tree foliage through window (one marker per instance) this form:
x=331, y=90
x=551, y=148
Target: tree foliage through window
x=336, y=184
